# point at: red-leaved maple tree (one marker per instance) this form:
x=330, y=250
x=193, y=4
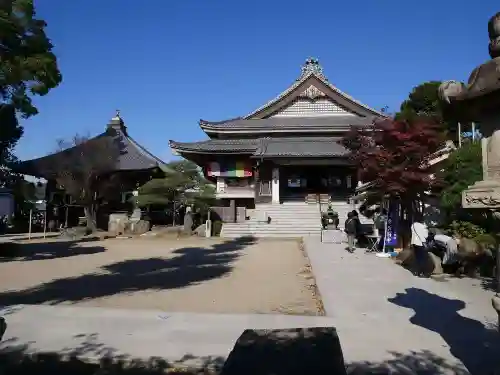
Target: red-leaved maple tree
x=393, y=157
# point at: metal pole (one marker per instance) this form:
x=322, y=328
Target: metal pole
x=385, y=224
x=498, y=272
x=459, y=135
x=173, y=212
x=45, y=223
x=473, y=131
x=29, y=227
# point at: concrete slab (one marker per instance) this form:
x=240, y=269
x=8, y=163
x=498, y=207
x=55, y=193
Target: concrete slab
x=379, y=309
x=95, y=332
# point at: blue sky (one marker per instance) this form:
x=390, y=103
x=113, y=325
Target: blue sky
x=165, y=64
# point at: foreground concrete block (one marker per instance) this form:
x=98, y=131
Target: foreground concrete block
x=286, y=351
x=3, y=327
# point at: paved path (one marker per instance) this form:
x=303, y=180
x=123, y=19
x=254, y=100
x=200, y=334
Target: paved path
x=379, y=308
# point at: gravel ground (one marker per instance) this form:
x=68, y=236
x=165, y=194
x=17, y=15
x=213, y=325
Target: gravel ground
x=191, y=275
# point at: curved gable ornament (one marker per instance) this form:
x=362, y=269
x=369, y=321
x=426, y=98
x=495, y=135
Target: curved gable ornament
x=312, y=66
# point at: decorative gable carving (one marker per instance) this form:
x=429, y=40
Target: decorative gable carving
x=312, y=92
x=304, y=106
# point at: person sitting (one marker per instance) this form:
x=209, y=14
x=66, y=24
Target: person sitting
x=445, y=247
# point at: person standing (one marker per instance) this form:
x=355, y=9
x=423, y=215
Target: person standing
x=350, y=228
x=419, y=234
x=380, y=221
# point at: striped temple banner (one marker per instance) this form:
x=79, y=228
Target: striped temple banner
x=236, y=169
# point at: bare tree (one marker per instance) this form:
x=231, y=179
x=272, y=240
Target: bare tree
x=84, y=168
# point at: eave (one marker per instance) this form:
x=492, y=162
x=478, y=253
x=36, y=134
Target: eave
x=264, y=130
x=317, y=124
x=288, y=147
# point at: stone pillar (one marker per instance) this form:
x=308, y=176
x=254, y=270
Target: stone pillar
x=479, y=101
x=232, y=209
x=276, y=186
x=486, y=194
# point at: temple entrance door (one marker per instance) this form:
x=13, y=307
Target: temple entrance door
x=297, y=181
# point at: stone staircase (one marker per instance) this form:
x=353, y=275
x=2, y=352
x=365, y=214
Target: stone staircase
x=288, y=220
x=291, y=220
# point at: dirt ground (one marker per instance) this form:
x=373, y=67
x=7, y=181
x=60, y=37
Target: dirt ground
x=190, y=275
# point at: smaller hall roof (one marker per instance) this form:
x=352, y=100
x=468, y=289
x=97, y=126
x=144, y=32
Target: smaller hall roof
x=130, y=155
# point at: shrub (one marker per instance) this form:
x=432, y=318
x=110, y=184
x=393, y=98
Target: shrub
x=486, y=240
x=9, y=250
x=465, y=229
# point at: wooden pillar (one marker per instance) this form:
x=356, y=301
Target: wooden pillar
x=232, y=206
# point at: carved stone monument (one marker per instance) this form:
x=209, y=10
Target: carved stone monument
x=295, y=351
x=3, y=327
x=479, y=101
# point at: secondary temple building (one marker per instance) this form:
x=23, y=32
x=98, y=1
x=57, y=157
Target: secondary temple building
x=111, y=154
x=286, y=149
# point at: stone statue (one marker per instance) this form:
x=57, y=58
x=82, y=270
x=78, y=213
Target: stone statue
x=494, y=34
x=479, y=101
x=188, y=222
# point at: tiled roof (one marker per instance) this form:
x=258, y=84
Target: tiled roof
x=130, y=155
x=218, y=145
x=269, y=147
x=307, y=147
x=280, y=123
x=304, y=77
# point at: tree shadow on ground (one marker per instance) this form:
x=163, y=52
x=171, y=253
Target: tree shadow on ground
x=191, y=265
x=22, y=251
x=470, y=341
x=414, y=363
x=92, y=358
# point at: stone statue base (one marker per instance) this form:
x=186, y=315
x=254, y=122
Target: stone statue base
x=495, y=301
x=483, y=194
x=486, y=195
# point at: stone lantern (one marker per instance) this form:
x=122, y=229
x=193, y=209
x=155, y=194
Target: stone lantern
x=479, y=101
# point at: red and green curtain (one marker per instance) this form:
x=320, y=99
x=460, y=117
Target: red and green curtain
x=229, y=169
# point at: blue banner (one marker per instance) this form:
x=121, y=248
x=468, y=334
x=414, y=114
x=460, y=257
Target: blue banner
x=391, y=231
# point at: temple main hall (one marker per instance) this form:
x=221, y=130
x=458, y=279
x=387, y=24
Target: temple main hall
x=285, y=150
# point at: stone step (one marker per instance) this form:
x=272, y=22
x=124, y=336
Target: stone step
x=291, y=210
x=291, y=215
x=290, y=219
x=273, y=235
x=276, y=226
